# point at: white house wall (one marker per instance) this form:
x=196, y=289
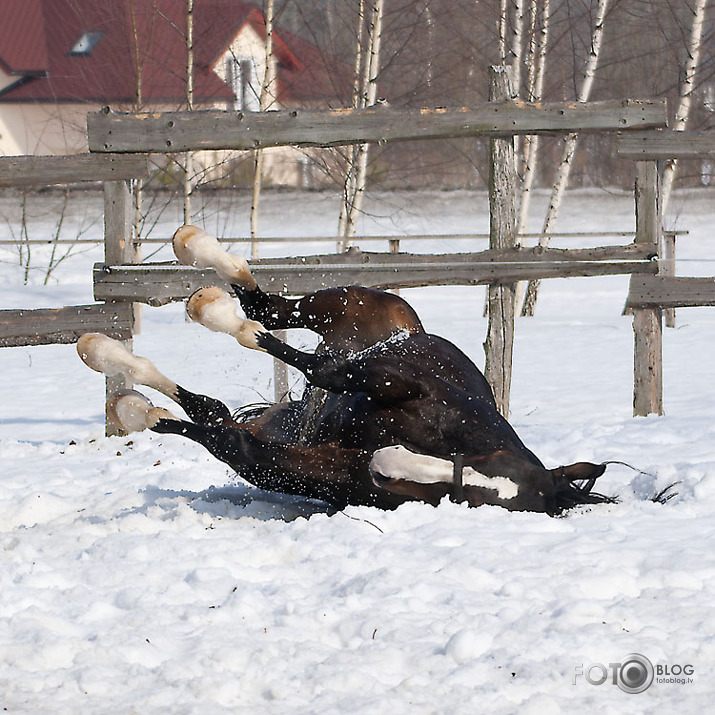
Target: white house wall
x=248, y=45
x=6, y=80
x=35, y=128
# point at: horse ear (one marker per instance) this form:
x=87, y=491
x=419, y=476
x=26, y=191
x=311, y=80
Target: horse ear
x=581, y=470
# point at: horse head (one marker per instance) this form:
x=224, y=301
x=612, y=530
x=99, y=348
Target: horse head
x=500, y=478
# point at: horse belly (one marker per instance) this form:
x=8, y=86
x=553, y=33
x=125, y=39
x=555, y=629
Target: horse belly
x=331, y=417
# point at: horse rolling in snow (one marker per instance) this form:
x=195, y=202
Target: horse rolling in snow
x=390, y=413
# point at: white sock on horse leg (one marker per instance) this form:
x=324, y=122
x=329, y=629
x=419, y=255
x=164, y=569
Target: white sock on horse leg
x=216, y=310
x=195, y=247
x=130, y=411
x=110, y=357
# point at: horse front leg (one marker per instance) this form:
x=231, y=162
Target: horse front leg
x=346, y=318
x=386, y=379
x=111, y=357
x=195, y=247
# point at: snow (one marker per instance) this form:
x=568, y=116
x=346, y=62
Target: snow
x=139, y=575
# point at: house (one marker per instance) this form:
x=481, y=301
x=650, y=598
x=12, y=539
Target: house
x=60, y=59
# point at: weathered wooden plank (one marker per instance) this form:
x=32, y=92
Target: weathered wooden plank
x=63, y=325
x=648, y=322
x=501, y=297
x=648, y=362
x=213, y=129
x=670, y=292
x=118, y=207
x=667, y=145
x=161, y=283
x=46, y=170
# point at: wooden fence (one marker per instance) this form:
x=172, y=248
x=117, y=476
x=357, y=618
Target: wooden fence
x=65, y=325
x=119, y=281
x=650, y=296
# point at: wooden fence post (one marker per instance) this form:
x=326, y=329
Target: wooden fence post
x=501, y=298
x=118, y=249
x=647, y=322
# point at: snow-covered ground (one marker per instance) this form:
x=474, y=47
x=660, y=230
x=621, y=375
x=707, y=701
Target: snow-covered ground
x=138, y=575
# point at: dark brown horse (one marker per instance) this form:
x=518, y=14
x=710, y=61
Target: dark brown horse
x=390, y=412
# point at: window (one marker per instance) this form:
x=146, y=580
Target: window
x=241, y=75
x=86, y=43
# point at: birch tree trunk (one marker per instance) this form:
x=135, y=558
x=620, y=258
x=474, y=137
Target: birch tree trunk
x=570, y=143
x=687, y=88
x=138, y=105
x=516, y=45
x=503, y=23
x=369, y=95
x=349, y=185
x=264, y=102
x=538, y=42
x=188, y=156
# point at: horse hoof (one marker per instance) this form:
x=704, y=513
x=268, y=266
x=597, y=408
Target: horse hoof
x=216, y=310
x=130, y=411
x=195, y=247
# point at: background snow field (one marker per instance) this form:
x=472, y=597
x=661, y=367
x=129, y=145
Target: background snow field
x=139, y=575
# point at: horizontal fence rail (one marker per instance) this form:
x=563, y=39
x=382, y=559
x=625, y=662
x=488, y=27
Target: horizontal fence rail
x=670, y=292
x=161, y=283
x=16, y=171
x=335, y=239
x=667, y=145
x=169, y=132
x=46, y=326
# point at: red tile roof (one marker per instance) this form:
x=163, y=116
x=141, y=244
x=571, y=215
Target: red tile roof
x=22, y=37
x=141, y=38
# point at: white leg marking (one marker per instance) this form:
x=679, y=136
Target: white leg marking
x=195, y=247
x=400, y=463
x=110, y=357
x=216, y=310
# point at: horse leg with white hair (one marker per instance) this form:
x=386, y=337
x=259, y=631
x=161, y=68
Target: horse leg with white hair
x=111, y=357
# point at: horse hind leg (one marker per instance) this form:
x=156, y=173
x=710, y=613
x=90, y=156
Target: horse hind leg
x=110, y=357
x=106, y=355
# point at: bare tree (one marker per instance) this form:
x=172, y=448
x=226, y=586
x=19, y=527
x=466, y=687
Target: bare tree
x=264, y=100
x=569, y=148
x=349, y=185
x=188, y=169
x=368, y=57
x=687, y=87
x=538, y=42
